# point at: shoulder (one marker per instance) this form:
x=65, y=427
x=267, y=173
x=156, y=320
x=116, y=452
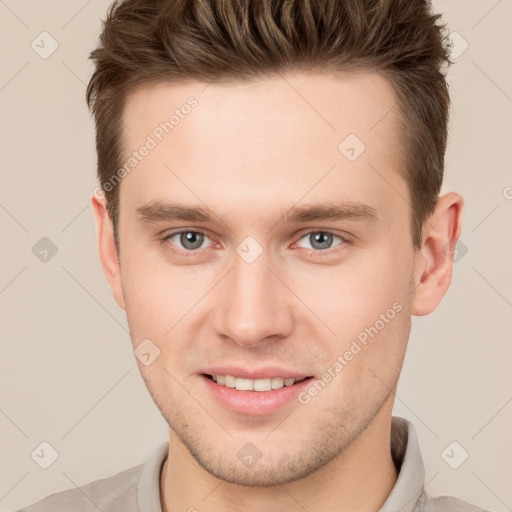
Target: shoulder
x=117, y=492
x=446, y=504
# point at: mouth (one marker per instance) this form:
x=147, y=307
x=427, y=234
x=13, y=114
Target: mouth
x=254, y=390
x=257, y=385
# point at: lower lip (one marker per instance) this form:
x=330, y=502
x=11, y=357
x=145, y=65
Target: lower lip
x=254, y=403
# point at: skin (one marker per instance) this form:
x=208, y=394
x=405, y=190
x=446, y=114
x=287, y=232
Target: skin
x=250, y=152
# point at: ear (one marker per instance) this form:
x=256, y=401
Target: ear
x=107, y=248
x=434, y=261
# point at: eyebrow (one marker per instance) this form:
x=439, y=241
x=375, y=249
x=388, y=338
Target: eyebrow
x=161, y=211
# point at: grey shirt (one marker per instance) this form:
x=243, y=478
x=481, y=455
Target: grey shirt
x=138, y=489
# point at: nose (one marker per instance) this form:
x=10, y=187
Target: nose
x=254, y=305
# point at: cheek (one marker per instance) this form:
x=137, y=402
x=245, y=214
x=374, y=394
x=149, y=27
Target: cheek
x=365, y=304
x=150, y=297
x=350, y=296
x=161, y=297
x=381, y=327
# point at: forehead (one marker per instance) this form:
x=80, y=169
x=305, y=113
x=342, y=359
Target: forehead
x=287, y=136
x=330, y=104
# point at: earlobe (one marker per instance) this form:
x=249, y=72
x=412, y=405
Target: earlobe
x=435, y=258
x=107, y=248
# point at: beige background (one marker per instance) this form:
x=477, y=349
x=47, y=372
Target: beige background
x=68, y=376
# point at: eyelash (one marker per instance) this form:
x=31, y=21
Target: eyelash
x=194, y=252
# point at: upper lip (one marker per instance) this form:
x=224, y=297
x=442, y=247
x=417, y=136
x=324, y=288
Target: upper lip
x=266, y=372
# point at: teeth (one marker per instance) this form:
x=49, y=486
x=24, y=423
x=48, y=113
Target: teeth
x=229, y=381
x=244, y=384
x=253, y=385
x=263, y=385
x=277, y=382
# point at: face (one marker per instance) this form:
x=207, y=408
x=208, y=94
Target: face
x=299, y=263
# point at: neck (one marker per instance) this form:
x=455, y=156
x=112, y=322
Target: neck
x=360, y=478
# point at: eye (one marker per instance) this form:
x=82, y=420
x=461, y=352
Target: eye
x=189, y=240
x=321, y=240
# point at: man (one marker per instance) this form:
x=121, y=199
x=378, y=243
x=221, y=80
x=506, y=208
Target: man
x=269, y=218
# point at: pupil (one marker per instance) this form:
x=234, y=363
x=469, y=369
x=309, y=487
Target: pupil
x=324, y=239
x=191, y=237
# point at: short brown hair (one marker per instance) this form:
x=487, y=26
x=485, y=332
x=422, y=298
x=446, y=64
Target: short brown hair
x=153, y=41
